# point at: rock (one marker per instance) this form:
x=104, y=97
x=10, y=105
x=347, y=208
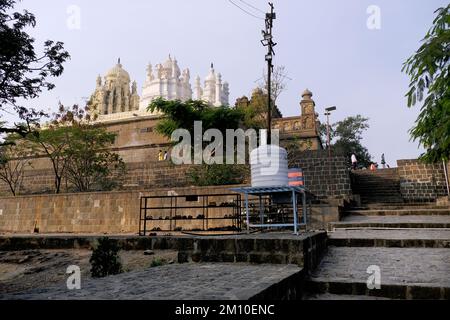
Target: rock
x=148, y=253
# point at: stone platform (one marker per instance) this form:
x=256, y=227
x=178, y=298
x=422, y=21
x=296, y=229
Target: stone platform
x=221, y=281
x=270, y=247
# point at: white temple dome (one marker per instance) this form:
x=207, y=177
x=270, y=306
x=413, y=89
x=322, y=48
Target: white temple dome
x=117, y=72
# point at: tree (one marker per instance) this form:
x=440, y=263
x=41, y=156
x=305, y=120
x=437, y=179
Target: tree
x=429, y=73
x=347, y=135
x=278, y=82
x=89, y=163
x=105, y=259
x=182, y=115
x=78, y=150
x=24, y=73
x=13, y=162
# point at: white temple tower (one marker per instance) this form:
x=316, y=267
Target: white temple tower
x=214, y=92
x=165, y=81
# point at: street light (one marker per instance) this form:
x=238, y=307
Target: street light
x=328, y=113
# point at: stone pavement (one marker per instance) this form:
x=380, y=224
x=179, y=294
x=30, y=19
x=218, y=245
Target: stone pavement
x=221, y=281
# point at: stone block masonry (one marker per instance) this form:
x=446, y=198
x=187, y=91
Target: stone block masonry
x=96, y=212
x=420, y=181
x=325, y=178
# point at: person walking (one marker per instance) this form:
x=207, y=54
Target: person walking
x=383, y=161
x=354, y=161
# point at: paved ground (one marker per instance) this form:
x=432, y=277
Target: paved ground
x=397, y=234
x=173, y=282
x=32, y=269
x=420, y=266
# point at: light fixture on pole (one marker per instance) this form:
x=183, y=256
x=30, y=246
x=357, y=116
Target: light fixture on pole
x=328, y=113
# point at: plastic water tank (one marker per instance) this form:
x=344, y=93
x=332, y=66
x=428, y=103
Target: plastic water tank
x=269, y=166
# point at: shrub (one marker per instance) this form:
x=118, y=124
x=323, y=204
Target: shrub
x=217, y=174
x=158, y=262
x=105, y=259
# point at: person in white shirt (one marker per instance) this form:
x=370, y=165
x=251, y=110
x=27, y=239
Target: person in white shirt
x=354, y=162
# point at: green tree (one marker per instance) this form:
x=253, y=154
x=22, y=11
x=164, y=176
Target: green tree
x=90, y=165
x=23, y=72
x=346, y=137
x=429, y=73
x=13, y=163
x=78, y=150
x=182, y=115
x=105, y=258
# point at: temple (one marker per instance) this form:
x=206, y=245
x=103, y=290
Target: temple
x=166, y=81
x=114, y=95
x=214, y=91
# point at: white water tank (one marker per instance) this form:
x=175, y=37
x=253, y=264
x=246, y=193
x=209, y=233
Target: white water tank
x=269, y=166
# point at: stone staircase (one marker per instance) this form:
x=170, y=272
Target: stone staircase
x=409, y=243
x=382, y=185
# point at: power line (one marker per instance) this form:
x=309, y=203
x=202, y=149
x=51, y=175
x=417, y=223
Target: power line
x=253, y=7
x=249, y=13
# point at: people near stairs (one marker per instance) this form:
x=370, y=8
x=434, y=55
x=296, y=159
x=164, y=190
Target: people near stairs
x=160, y=156
x=383, y=161
x=354, y=161
x=373, y=167
x=166, y=155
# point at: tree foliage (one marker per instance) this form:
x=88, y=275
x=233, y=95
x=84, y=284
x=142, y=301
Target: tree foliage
x=346, y=137
x=13, y=163
x=429, y=73
x=181, y=115
x=105, y=258
x=23, y=72
x=78, y=150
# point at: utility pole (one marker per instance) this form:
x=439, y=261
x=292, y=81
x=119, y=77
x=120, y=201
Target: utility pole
x=267, y=42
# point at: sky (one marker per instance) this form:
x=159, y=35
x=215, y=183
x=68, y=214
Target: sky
x=325, y=46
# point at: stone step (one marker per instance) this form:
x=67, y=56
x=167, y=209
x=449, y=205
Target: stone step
x=337, y=287
x=399, y=238
x=416, y=221
x=405, y=273
x=401, y=206
x=377, y=200
x=399, y=212
x=329, y=296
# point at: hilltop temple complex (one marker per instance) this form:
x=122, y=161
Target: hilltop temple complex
x=116, y=104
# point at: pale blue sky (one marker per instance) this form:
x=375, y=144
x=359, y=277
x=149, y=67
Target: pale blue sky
x=325, y=46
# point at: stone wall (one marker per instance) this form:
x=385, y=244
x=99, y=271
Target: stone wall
x=325, y=176
x=96, y=212
x=420, y=181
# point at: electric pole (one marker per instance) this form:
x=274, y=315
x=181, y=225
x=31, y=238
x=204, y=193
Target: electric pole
x=267, y=42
